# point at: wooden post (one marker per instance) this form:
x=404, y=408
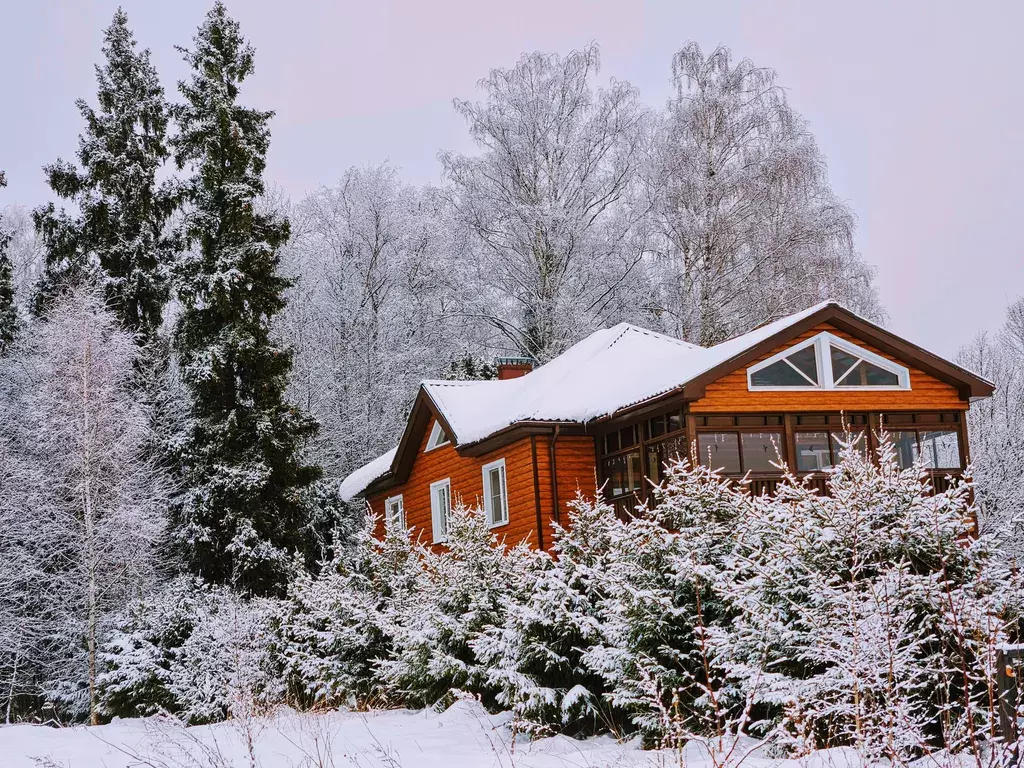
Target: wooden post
x=1009, y=697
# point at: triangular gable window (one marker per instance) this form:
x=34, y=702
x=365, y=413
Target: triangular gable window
x=827, y=362
x=438, y=437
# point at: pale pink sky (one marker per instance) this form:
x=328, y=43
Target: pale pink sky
x=917, y=105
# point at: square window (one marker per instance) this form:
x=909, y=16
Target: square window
x=675, y=422
x=905, y=443
x=760, y=450
x=495, y=493
x=941, y=449
x=721, y=451
x=813, y=451
x=440, y=508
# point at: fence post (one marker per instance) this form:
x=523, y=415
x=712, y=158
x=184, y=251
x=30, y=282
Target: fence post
x=1006, y=682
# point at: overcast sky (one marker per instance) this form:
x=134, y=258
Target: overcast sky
x=917, y=105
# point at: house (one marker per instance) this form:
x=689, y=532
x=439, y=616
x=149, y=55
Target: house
x=612, y=409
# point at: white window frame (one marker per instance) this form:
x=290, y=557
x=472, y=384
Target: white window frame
x=436, y=434
x=823, y=358
x=439, y=517
x=390, y=504
x=492, y=520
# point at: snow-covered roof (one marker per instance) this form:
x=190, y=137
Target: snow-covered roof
x=609, y=370
x=358, y=481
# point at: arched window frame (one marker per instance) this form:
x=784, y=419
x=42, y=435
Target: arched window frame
x=823, y=360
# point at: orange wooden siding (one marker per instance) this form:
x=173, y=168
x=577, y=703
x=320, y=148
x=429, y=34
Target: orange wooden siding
x=467, y=486
x=574, y=457
x=576, y=462
x=730, y=393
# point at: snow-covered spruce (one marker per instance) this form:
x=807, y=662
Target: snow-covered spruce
x=458, y=593
x=118, y=234
x=246, y=505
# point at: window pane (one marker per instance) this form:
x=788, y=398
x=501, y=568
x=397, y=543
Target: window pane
x=627, y=437
x=858, y=440
x=905, y=444
x=611, y=442
x=779, y=374
x=623, y=474
x=941, y=450
x=720, y=450
x=657, y=426
x=812, y=451
x=760, y=449
x=807, y=361
x=496, y=495
x=675, y=422
x=842, y=362
x=866, y=374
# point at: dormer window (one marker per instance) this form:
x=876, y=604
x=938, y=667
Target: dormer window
x=438, y=437
x=827, y=362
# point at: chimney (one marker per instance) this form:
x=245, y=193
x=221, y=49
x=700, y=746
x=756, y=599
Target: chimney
x=513, y=367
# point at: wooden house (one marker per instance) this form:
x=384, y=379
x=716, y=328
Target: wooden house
x=605, y=416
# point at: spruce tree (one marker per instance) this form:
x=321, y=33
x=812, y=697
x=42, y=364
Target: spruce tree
x=8, y=309
x=118, y=235
x=247, y=507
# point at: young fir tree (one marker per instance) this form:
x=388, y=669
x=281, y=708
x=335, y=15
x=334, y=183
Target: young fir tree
x=8, y=309
x=247, y=507
x=119, y=231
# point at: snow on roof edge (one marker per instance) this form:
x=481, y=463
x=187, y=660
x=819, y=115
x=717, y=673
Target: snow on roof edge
x=360, y=479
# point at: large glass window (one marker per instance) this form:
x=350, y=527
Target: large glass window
x=760, y=449
x=799, y=369
x=623, y=474
x=495, y=493
x=721, y=451
x=941, y=449
x=813, y=452
x=842, y=441
x=905, y=443
x=659, y=454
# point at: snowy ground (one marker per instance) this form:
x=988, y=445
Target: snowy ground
x=464, y=735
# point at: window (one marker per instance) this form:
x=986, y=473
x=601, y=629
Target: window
x=495, y=493
x=440, y=508
x=623, y=474
x=937, y=449
x=438, y=436
x=721, y=451
x=941, y=450
x=818, y=451
x=827, y=362
x=813, y=452
x=760, y=450
x=394, y=512
x=736, y=453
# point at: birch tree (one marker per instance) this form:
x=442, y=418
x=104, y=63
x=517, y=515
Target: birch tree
x=745, y=225
x=371, y=313
x=996, y=426
x=85, y=501
x=547, y=201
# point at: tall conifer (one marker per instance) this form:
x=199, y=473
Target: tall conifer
x=8, y=309
x=118, y=233
x=246, y=509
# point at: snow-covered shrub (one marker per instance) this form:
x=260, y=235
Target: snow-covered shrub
x=663, y=607
x=870, y=617
x=460, y=591
x=336, y=629
x=534, y=658
x=199, y=651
